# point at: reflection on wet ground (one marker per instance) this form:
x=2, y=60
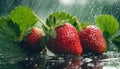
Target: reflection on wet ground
x=88, y=61
x=85, y=62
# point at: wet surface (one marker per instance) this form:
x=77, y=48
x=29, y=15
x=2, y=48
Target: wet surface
x=107, y=60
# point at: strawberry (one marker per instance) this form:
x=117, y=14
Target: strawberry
x=33, y=40
x=35, y=36
x=66, y=41
x=92, y=39
x=61, y=36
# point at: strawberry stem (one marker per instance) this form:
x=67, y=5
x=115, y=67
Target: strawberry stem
x=43, y=23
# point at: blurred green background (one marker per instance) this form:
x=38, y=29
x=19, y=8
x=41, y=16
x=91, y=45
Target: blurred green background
x=85, y=10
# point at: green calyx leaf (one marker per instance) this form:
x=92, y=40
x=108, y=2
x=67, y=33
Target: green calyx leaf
x=25, y=19
x=59, y=18
x=10, y=49
x=107, y=23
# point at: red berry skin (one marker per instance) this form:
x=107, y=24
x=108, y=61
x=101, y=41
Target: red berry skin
x=34, y=39
x=66, y=41
x=92, y=39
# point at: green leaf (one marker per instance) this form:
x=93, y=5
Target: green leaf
x=59, y=18
x=24, y=17
x=10, y=50
x=8, y=29
x=107, y=23
x=51, y=21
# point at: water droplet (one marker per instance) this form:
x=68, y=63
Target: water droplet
x=26, y=58
x=2, y=56
x=90, y=65
x=53, y=64
x=69, y=62
x=87, y=60
x=36, y=65
x=31, y=59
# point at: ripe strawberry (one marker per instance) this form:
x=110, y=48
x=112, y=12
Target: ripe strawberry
x=66, y=41
x=32, y=42
x=92, y=39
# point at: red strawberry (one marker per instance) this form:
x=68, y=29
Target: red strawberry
x=92, y=39
x=66, y=41
x=33, y=40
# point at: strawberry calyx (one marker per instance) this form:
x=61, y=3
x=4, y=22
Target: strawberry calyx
x=58, y=19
